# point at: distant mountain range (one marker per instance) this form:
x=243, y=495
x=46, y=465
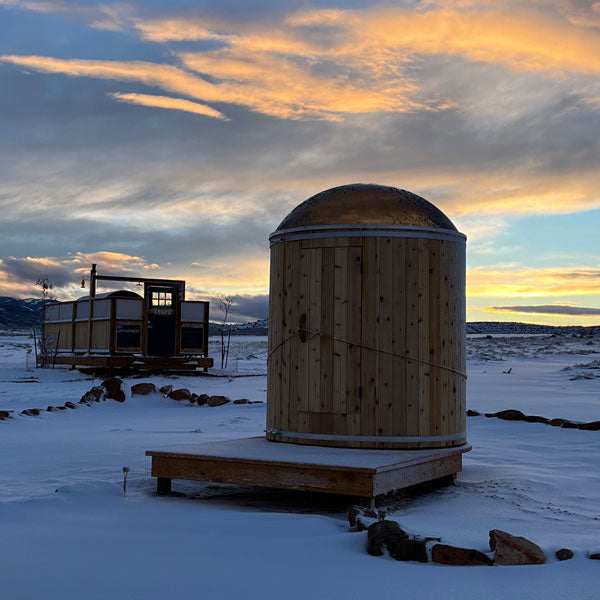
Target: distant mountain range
x=19, y=314
x=16, y=313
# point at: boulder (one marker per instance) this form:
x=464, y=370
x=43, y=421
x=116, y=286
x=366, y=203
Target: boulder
x=569, y=425
x=5, y=414
x=473, y=413
x=194, y=398
x=384, y=534
x=202, y=399
x=51, y=409
x=564, y=554
x=31, y=412
x=60, y=408
x=218, y=400
x=143, y=389
x=241, y=401
x=557, y=422
x=451, y=555
x=112, y=385
x=166, y=389
x=594, y=555
x=508, y=415
x=359, y=517
x=180, y=394
x=69, y=405
x=535, y=419
x=409, y=549
x=256, y=402
x=593, y=426
x=515, y=550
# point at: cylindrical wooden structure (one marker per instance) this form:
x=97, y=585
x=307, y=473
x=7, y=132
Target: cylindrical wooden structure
x=367, y=323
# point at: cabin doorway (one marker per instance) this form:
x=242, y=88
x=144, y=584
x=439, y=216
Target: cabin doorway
x=162, y=302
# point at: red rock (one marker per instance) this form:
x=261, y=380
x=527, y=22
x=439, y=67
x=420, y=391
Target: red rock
x=218, y=400
x=593, y=426
x=451, y=555
x=409, y=549
x=384, y=534
x=515, y=550
x=535, y=419
x=242, y=401
x=98, y=392
x=143, y=389
x=564, y=554
x=180, y=394
x=359, y=516
x=508, y=415
x=31, y=412
x=112, y=385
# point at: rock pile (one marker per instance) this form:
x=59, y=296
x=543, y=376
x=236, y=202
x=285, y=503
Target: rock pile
x=505, y=549
x=512, y=414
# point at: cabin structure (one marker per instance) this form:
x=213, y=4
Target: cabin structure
x=366, y=366
x=159, y=329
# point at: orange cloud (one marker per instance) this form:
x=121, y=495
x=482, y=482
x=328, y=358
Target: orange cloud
x=515, y=281
x=169, y=103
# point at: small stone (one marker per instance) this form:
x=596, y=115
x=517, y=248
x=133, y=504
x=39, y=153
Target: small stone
x=384, y=534
x=69, y=405
x=143, y=389
x=87, y=397
x=593, y=426
x=535, y=419
x=112, y=385
x=31, y=412
x=202, y=399
x=98, y=392
x=451, y=555
x=166, y=389
x=473, y=413
x=564, y=554
x=515, y=550
x=218, y=400
x=180, y=394
x=241, y=401
x=354, y=513
x=409, y=549
x=508, y=415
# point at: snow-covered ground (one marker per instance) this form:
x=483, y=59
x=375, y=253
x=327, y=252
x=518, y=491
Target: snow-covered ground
x=67, y=531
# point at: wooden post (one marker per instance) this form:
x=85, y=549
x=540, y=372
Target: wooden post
x=163, y=486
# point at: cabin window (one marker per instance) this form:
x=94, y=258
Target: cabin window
x=162, y=298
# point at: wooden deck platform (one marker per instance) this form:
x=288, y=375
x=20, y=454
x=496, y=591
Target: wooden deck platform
x=170, y=363
x=258, y=462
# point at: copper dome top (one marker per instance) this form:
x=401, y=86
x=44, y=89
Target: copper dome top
x=366, y=204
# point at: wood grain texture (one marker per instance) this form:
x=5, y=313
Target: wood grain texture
x=368, y=308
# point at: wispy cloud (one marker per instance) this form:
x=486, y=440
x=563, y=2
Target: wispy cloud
x=548, y=309
x=169, y=103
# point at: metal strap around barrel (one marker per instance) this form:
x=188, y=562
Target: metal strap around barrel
x=367, y=438
x=378, y=350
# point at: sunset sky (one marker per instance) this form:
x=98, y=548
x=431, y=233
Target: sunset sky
x=170, y=138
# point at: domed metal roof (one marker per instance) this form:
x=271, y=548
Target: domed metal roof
x=366, y=204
